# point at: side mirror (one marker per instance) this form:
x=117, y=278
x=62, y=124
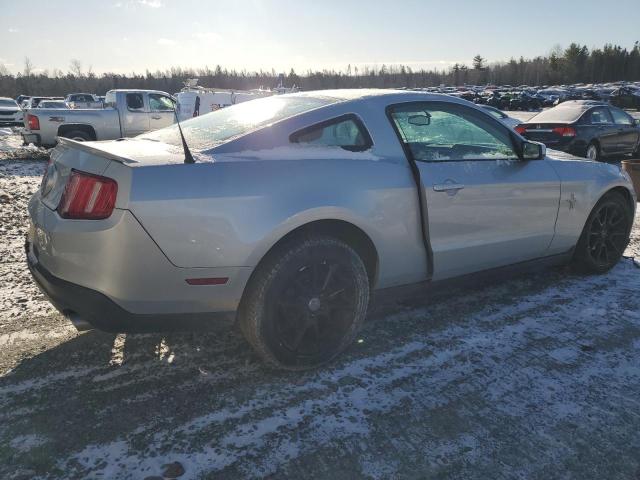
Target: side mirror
x=420, y=120
x=636, y=122
x=533, y=150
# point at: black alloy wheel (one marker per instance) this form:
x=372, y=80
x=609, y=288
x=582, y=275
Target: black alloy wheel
x=306, y=303
x=605, y=235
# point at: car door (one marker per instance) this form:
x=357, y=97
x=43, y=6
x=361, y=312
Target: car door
x=628, y=132
x=606, y=131
x=485, y=208
x=162, y=111
x=136, y=117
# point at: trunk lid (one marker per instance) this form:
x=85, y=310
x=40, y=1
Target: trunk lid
x=548, y=133
x=111, y=158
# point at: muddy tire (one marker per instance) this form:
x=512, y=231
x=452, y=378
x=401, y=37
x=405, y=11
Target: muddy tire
x=305, y=302
x=78, y=135
x=604, y=236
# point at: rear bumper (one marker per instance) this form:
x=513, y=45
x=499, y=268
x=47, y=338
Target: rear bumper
x=34, y=138
x=110, y=274
x=82, y=304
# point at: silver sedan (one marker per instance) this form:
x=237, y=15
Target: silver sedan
x=283, y=214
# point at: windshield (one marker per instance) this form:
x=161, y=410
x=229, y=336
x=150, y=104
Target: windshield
x=7, y=103
x=558, y=114
x=217, y=127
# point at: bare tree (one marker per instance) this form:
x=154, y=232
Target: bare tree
x=28, y=67
x=75, y=67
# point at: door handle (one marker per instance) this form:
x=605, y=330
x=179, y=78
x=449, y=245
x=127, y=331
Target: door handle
x=451, y=188
x=156, y=117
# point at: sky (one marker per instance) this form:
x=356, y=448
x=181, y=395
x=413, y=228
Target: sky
x=122, y=36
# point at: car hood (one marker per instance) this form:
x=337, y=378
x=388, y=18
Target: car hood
x=558, y=155
x=11, y=109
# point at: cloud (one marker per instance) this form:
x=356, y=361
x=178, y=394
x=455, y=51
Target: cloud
x=150, y=3
x=166, y=41
x=14, y=30
x=206, y=36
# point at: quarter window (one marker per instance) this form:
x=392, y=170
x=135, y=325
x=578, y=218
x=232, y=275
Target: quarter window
x=160, y=103
x=346, y=132
x=439, y=131
x=620, y=117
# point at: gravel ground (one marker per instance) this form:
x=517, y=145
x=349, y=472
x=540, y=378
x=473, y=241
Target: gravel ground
x=534, y=377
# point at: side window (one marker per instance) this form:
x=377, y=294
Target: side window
x=599, y=116
x=135, y=101
x=439, y=131
x=160, y=103
x=110, y=100
x=347, y=132
x=620, y=117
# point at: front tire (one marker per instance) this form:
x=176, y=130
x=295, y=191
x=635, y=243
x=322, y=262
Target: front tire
x=605, y=235
x=305, y=302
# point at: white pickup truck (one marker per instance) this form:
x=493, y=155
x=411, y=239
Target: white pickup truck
x=126, y=113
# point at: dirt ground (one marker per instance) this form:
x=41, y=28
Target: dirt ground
x=535, y=377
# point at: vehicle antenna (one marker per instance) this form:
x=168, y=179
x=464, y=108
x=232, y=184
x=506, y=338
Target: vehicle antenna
x=188, y=158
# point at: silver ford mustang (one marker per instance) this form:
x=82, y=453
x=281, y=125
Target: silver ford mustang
x=284, y=213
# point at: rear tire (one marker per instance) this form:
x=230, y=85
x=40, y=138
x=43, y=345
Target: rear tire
x=593, y=152
x=604, y=236
x=305, y=302
x=78, y=136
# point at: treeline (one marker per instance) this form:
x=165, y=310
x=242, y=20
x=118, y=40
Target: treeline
x=575, y=64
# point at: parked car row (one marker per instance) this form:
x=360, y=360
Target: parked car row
x=73, y=100
x=506, y=97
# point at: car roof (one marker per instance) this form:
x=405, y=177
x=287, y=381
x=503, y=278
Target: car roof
x=584, y=104
x=7, y=98
x=386, y=95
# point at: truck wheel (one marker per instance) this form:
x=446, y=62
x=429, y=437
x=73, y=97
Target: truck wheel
x=593, y=152
x=78, y=135
x=605, y=235
x=305, y=302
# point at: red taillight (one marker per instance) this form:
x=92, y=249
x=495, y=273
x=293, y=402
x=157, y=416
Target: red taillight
x=88, y=197
x=521, y=129
x=565, y=131
x=33, y=122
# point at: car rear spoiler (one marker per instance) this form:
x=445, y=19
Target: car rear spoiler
x=67, y=142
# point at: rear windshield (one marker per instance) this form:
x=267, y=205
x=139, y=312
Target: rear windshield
x=558, y=114
x=217, y=127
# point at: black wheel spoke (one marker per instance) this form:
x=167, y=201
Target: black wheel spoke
x=327, y=279
x=614, y=247
x=299, y=335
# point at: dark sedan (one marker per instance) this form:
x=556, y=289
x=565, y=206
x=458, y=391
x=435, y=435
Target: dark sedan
x=585, y=128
